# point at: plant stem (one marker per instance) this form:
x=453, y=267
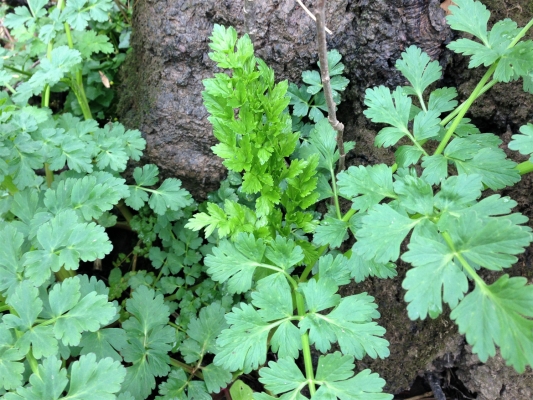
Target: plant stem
x=188, y=368
x=464, y=108
x=466, y=266
x=521, y=34
x=525, y=167
x=326, y=83
x=335, y=195
x=125, y=211
x=450, y=116
x=49, y=175
x=306, y=347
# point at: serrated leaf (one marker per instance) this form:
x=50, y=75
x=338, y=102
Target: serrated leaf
x=244, y=344
x=331, y=232
x=104, y=343
x=499, y=314
x=48, y=383
x=52, y=69
x=418, y=68
x=491, y=243
x=348, y=324
x=90, y=42
x=360, y=268
x=495, y=169
x=11, y=360
x=337, y=269
x=414, y=194
x=383, y=231
x=216, y=378
x=11, y=266
x=366, y=186
x=94, y=380
x=436, y=276
x=469, y=16
x=435, y=168
x=170, y=195
x=364, y=386
x=442, y=100
x=523, y=142
x=426, y=125
x=392, y=109
x=515, y=62
x=273, y=298
x=63, y=241
x=203, y=331
x=74, y=314
x=236, y=263
x=282, y=376
x=407, y=155
x=287, y=340
x=284, y=252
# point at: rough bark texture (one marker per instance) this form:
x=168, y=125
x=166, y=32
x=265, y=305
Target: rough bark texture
x=163, y=81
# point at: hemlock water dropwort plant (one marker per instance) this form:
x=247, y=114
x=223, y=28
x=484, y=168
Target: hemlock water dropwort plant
x=260, y=291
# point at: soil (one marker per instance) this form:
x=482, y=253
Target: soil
x=161, y=97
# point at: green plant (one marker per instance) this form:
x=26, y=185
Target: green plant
x=263, y=286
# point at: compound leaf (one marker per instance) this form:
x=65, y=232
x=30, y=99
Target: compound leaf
x=418, y=68
x=95, y=380
x=523, y=142
x=382, y=233
x=244, y=344
x=469, y=16
x=366, y=186
x=392, y=109
x=236, y=263
x=435, y=277
x=499, y=314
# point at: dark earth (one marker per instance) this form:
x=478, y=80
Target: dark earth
x=161, y=97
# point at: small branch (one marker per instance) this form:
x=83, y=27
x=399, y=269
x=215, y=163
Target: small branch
x=324, y=70
x=311, y=15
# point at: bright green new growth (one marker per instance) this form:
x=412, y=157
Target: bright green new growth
x=266, y=246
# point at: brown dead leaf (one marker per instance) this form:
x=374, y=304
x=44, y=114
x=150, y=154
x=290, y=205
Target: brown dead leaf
x=445, y=5
x=105, y=79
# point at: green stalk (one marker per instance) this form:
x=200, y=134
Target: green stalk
x=77, y=77
x=186, y=367
x=525, y=168
x=466, y=266
x=335, y=194
x=465, y=107
x=9, y=185
x=33, y=362
x=450, y=116
x=309, y=268
x=306, y=347
x=521, y=34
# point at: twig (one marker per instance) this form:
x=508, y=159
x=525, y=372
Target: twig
x=311, y=15
x=324, y=70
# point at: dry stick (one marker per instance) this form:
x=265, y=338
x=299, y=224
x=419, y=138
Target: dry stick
x=311, y=15
x=324, y=70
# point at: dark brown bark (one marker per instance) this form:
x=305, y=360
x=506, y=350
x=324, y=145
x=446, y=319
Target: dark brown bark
x=162, y=86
